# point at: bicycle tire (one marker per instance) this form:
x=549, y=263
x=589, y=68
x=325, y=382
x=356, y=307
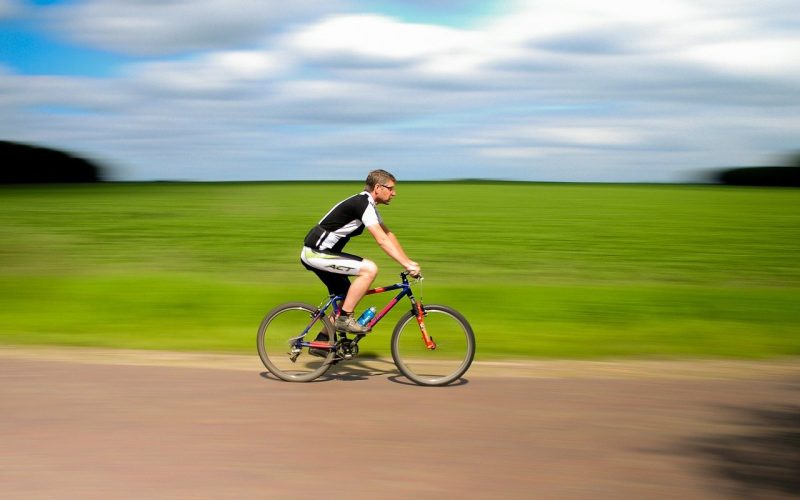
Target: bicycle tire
x=441, y=366
x=274, y=341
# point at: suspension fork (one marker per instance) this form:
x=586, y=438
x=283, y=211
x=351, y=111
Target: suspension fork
x=419, y=312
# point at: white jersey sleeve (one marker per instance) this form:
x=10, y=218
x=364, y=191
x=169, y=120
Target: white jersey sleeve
x=371, y=215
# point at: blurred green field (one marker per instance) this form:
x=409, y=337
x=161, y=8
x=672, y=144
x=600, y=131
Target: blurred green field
x=540, y=270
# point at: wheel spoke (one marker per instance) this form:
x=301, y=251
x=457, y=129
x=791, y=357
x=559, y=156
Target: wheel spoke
x=455, y=347
x=282, y=343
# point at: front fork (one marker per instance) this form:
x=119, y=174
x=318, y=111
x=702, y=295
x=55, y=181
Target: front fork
x=419, y=311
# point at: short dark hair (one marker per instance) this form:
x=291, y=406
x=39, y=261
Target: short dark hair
x=377, y=177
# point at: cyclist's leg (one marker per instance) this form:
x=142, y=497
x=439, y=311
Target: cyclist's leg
x=337, y=284
x=360, y=285
x=333, y=269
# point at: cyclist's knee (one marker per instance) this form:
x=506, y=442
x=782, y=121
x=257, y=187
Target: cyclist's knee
x=369, y=268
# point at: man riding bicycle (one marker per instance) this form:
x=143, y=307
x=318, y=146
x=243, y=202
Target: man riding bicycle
x=322, y=249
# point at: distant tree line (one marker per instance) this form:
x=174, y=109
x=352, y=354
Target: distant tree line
x=786, y=176
x=26, y=164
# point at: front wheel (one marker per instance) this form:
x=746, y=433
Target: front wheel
x=455, y=346
x=283, y=342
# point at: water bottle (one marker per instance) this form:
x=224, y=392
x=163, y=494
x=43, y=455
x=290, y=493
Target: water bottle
x=367, y=316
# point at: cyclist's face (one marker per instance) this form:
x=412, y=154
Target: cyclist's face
x=385, y=192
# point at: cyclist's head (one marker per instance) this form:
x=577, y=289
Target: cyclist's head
x=378, y=177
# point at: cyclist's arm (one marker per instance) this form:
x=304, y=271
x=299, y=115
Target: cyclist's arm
x=389, y=244
x=394, y=239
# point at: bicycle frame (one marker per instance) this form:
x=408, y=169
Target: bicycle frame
x=405, y=291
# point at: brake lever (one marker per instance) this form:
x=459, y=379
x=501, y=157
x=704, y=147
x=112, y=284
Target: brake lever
x=417, y=278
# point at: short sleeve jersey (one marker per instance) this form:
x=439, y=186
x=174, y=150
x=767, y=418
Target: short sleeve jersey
x=345, y=220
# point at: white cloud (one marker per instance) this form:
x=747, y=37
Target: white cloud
x=544, y=19
x=222, y=71
x=375, y=38
x=593, y=136
x=766, y=57
x=153, y=28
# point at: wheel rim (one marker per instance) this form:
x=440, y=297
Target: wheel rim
x=440, y=366
x=277, y=335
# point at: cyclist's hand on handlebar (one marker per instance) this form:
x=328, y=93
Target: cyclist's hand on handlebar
x=414, y=269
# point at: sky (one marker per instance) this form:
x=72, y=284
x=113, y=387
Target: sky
x=538, y=90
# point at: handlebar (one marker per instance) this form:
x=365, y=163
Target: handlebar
x=405, y=274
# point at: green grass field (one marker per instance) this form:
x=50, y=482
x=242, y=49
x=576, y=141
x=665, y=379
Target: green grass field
x=540, y=270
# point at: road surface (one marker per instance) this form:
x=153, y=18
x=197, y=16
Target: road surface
x=91, y=424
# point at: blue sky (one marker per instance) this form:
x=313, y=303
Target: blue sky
x=552, y=90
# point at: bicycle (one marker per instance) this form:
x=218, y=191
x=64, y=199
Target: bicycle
x=285, y=338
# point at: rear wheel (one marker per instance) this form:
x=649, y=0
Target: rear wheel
x=455, y=346
x=280, y=340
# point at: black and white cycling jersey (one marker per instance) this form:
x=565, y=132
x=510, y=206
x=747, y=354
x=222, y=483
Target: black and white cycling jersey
x=345, y=220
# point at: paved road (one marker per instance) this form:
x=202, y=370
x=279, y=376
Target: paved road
x=92, y=427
